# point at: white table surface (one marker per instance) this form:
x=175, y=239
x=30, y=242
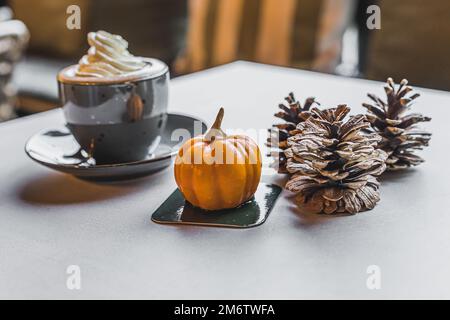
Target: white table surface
x=49, y=220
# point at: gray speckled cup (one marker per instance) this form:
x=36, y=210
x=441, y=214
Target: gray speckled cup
x=117, y=121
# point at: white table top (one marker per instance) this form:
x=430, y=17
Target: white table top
x=49, y=221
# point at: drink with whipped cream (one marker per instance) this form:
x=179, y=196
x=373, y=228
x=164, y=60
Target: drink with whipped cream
x=115, y=103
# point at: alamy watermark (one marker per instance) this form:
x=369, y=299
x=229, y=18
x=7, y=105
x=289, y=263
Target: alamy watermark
x=373, y=281
x=374, y=20
x=73, y=21
x=73, y=281
x=238, y=147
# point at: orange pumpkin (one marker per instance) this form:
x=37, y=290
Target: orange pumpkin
x=215, y=171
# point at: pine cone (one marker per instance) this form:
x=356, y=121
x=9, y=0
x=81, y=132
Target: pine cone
x=400, y=137
x=292, y=114
x=334, y=163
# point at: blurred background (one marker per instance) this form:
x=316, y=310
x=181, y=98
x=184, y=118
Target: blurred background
x=330, y=36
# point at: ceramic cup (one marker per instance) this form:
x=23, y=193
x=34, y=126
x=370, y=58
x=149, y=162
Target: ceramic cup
x=116, y=120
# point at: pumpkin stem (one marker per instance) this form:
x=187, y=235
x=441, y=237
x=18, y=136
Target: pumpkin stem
x=215, y=129
x=219, y=118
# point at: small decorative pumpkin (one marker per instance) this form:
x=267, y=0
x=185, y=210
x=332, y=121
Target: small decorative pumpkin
x=215, y=171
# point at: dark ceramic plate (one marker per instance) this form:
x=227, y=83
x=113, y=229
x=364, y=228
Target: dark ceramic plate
x=57, y=149
x=176, y=210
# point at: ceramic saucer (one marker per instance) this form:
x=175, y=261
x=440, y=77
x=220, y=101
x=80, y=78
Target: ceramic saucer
x=58, y=150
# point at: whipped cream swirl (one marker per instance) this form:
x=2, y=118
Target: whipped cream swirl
x=108, y=56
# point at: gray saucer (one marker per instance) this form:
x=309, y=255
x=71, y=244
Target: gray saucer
x=58, y=150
